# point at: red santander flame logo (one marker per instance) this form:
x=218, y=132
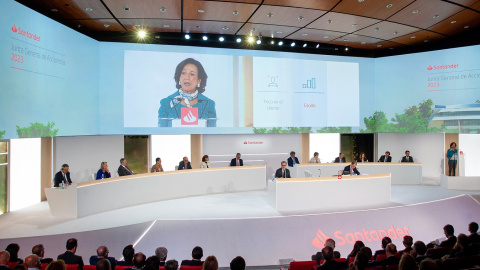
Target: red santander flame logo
x=14, y=28
x=430, y=68
x=245, y=142
x=319, y=241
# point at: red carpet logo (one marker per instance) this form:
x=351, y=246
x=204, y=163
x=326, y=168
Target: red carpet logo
x=14, y=28
x=319, y=241
x=430, y=68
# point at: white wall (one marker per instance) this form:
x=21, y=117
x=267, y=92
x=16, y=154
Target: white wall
x=470, y=145
x=424, y=148
x=24, y=171
x=85, y=153
x=170, y=149
x=326, y=144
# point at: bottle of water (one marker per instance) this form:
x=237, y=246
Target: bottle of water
x=273, y=177
x=63, y=184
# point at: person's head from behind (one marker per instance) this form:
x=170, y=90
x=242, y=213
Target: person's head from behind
x=356, y=247
x=360, y=262
x=33, y=261
x=367, y=251
x=102, y=251
x=205, y=158
x=391, y=249
x=462, y=240
x=152, y=262
x=171, y=265
x=327, y=253
x=4, y=257
x=385, y=241
x=197, y=253
x=330, y=243
x=190, y=76
x=123, y=161
x=72, y=244
x=238, y=263
x=407, y=241
x=448, y=230
x=407, y=262
x=315, y=155
x=139, y=260
x=161, y=253
x=473, y=227
x=65, y=168
x=428, y=264
x=292, y=154
x=103, y=264
x=13, y=249
x=56, y=265
x=128, y=253
x=38, y=250
x=419, y=249
x=210, y=263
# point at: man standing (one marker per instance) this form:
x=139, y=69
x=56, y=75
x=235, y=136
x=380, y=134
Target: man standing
x=407, y=157
x=63, y=176
x=386, y=157
x=237, y=161
x=283, y=172
x=292, y=160
x=340, y=158
x=69, y=256
x=184, y=164
x=123, y=169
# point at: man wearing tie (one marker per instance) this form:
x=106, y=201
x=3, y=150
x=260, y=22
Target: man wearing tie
x=283, y=172
x=62, y=176
x=340, y=158
x=407, y=157
x=184, y=164
x=386, y=157
x=292, y=160
x=351, y=169
x=123, y=169
x=237, y=161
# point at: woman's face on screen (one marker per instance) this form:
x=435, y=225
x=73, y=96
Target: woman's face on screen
x=189, y=78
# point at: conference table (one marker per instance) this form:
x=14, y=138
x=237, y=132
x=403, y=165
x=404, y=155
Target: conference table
x=97, y=196
x=403, y=173
x=313, y=194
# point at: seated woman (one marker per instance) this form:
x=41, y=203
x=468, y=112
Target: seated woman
x=191, y=80
x=157, y=167
x=362, y=158
x=205, y=162
x=315, y=158
x=103, y=172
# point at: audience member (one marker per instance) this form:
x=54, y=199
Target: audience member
x=205, y=164
x=56, y=265
x=62, y=176
x=197, y=254
x=360, y=262
x=330, y=243
x=238, y=263
x=351, y=169
x=123, y=169
x=368, y=254
x=407, y=157
x=152, y=262
x=315, y=158
x=461, y=248
x=282, y=172
x=391, y=259
x=33, y=262
x=103, y=264
x=449, y=231
x=356, y=248
x=292, y=160
x=69, y=256
x=418, y=251
x=184, y=164
x=103, y=172
x=4, y=258
x=362, y=158
x=474, y=237
x=407, y=243
x=20, y=267
x=428, y=264
x=138, y=261
x=330, y=263
x=102, y=253
x=39, y=250
x=385, y=241
x=171, y=265
x=161, y=253
x=340, y=158
x=386, y=157
x=13, y=249
x=157, y=167
x=210, y=263
x=237, y=161
x=127, y=253
x=407, y=262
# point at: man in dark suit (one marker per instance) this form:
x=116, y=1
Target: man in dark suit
x=39, y=250
x=449, y=231
x=283, y=172
x=418, y=251
x=161, y=253
x=474, y=237
x=237, y=161
x=123, y=169
x=328, y=243
x=139, y=261
x=330, y=263
x=386, y=157
x=407, y=157
x=69, y=256
x=407, y=243
x=292, y=160
x=385, y=241
x=62, y=176
x=4, y=258
x=340, y=158
x=197, y=254
x=351, y=169
x=391, y=259
x=102, y=253
x=184, y=164
x=127, y=253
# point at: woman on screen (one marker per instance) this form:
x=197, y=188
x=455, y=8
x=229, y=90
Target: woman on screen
x=191, y=80
x=362, y=158
x=104, y=172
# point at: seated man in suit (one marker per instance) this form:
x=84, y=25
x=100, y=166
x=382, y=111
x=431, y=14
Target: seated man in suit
x=418, y=251
x=292, y=160
x=407, y=157
x=161, y=253
x=69, y=256
x=237, y=161
x=407, y=243
x=171, y=265
x=474, y=237
x=283, y=172
x=391, y=259
x=139, y=261
x=328, y=243
x=386, y=157
x=39, y=250
x=62, y=176
x=351, y=169
x=127, y=253
x=330, y=263
x=340, y=158
x=102, y=253
x=103, y=264
x=123, y=169
x=385, y=241
x=184, y=164
x=197, y=254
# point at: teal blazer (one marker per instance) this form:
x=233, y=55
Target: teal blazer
x=206, y=110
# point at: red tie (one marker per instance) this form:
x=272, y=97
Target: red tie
x=238, y=162
x=185, y=166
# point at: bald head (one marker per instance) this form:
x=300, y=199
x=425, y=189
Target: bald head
x=102, y=251
x=4, y=257
x=33, y=261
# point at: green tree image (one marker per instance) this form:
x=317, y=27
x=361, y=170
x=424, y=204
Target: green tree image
x=335, y=130
x=280, y=130
x=37, y=130
x=2, y=133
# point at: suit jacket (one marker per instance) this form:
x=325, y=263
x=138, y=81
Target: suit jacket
x=391, y=260
x=278, y=173
x=405, y=159
x=122, y=171
x=450, y=242
x=124, y=263
x=337, y=160
x=70, y=258
x=332, y=265
x=474, y=238
x=382, y=159
x=319, y=256
x=181, y=165
x=346, y=171
x=234, y=162
x=5, y=267
x=46, y=260
x=380, y=251
x=192, y=263
x=59, y=178
x=290, y=161
x=95, y=259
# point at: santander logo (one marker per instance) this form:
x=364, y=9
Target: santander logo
x=342, y=238
x=435, y=67
x=189, y=118
x=25, y=33
x=430, y=68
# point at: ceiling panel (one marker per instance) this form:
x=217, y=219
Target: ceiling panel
x=374, y=9
x=227, y=28
x=384, y=45
x=342, y=22
x=418, y=38
x=356, y=41
x=267, y=30
x=242, y=1
x=95, y=25
x=463, y=21
x=218, y=11
x=423, y=14
x=145, y=9
x=316, y=35
x=73, y=9
x=314, y=4
x=285, y=15
x=476, y=6
x=386, y=30
x=466, y=3
x=152, y=25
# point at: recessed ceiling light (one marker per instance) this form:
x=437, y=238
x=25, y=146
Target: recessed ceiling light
x=197, y=26
x=157, y=37
x=254, y=30
x=378, y=46
x=259, y=41
x=137, y=25
x=89, y=9
x=415, y=11
x=221, y=39
x=363, y=42
x=79, y=25
x=54, y=10
x=279, y=32
x=162, y=9
x=304, y=34
x=413, y=37
x=329, y=21
x=280, y=43
x=292, y=44
x=142, y=34
x=346, y=48
x=301, y=18
x=345, y=39
x=395, y=33
x=436, y=16
x=126, y=8
x=325, y=37
x=304, y=45
x=269, y=15
x=389, y=5
x=466, y=26
x=390, y=48
x=360, y=1
x=354, y=25
x=201, y=11
x=318, y=45
x=166, y=26
x=377, y=29
x=225, y=28
x=106, y=25
x=453, y=21
x=235, y=12
x=272, y=42
x=250, y=39
x=205, y=38
x=239, y=40
x=426, y=40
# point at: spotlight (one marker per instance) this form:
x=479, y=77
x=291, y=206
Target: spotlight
x=239, y=40
x=205, y=38
x=293, y=44
x=318, y=45
x=304, y=45
x=272, y=42
x=142, y=34
x=259, y=41
x=346, y=48
x=280, y=43
x=187, y=36
x=221, y=39
x=250, y=39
